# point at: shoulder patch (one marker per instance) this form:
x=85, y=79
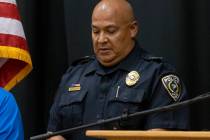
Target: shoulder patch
x=82, y=60
x=172, y=85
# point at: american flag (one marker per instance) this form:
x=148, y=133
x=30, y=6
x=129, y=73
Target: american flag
x=15, y=60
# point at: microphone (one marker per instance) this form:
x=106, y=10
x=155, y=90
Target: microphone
x=125, y=116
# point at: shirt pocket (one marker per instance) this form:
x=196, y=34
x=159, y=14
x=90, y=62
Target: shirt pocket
x=128, y=101
x=72, y=108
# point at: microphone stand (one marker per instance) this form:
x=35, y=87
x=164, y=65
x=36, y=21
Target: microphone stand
x=125, y=116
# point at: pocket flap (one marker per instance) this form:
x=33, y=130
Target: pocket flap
x=72, y=97
x=130, y=95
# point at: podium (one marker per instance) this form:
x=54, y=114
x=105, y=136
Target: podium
x=149, y=135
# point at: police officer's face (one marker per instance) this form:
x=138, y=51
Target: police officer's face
x=112, y=36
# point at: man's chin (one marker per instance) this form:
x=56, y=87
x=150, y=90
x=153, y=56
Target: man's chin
x=107, y=62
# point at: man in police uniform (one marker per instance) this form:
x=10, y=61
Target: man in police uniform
x=122, y=78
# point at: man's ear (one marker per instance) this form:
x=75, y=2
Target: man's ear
x=134, y=29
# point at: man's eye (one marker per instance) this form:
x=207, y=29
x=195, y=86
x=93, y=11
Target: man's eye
x=95, y=31
x=111, y=30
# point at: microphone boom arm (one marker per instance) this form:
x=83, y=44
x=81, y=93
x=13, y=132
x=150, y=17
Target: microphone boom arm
x=125, y=116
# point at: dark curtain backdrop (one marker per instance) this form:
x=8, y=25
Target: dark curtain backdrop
x=58, y=32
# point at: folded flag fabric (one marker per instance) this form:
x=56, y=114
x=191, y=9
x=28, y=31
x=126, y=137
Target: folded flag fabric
x=15, y=60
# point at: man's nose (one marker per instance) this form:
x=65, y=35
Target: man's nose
x=102, y=38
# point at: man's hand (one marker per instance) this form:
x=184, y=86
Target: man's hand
x=57, y=138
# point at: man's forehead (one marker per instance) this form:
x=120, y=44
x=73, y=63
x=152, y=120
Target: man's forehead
x=105, y=18
x=104, y=24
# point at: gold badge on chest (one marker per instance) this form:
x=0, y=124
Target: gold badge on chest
x=132, y=78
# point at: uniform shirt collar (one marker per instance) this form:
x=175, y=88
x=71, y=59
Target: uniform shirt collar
x=128, y=64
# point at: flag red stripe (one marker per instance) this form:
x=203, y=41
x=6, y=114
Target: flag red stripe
x=13, y=41
x=9, y=10
x=9, y=70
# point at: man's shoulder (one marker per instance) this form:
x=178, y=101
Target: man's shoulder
x=157, y=61
x=83, y=60
x=81, y=63
x=77, y=69
x=149, y=57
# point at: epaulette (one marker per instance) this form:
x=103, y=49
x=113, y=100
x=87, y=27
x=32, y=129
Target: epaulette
x=82, y=60
x=154, y=58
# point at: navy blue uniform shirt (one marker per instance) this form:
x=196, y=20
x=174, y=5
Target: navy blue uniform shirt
x=89, y=92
